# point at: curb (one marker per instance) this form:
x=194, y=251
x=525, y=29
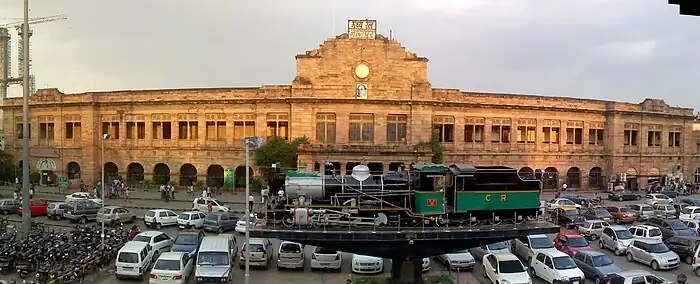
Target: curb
x=134, y=198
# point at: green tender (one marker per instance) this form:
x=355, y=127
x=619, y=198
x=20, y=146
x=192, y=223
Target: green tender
x=470, y=201
x=428, y=202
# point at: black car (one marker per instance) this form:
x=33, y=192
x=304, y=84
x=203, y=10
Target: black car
x=569, y=218
x=690, y=201
x=578, y=199
x=623, y=195
x=598, y=214
x=670, y=193
x=683, y=246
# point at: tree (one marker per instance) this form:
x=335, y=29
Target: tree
x=435, y=147
x=277, y=150
x=9, y=170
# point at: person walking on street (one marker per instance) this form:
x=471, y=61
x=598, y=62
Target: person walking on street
x=31, y=192
x=15, y=195
x=209, y=207
x=126, y=195
x=209, y=192
x=251, y=201
x=172, y=192
x=204, y=193
x=190, y=191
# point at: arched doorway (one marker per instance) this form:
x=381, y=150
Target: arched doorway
x=215, y=176
x=595, y=179
x=697, y=175
x=631, y=179
x=188, y=175
x=526, y=173
x=332, y=168
x=239, y=176
x=550, y=178
x=573, y=177
x=349, y=166
x=395, y=166
x=134, y=173
x=111, y=172
x=161, y=174
x=317, y=167
x=376, y=168
x=73, y=170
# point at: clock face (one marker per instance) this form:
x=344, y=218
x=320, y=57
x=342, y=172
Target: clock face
x=362, y=71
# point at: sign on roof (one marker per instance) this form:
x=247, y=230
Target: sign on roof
x=362, y=29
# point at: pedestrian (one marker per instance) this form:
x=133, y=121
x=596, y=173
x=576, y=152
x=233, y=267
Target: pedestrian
x=172, y=192
x=31, y=193
x=209, y=192
x=190, y=191
x=15, y=195
x=209, y=207
x=126, y=195
x=204, y=193
x=251, y=201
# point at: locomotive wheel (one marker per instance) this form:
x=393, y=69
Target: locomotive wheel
x=287, y=221
x=381, y=220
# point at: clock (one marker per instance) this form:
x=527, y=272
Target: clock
x=362, y=71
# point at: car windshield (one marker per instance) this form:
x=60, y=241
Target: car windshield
x=187, y=240
x=510, y=266
x=141, y=238
x=658, y=248
x=128, y=257
x=497, y=246
x=321, y=250
x=541, y=243
x=290, y=248
x=150, y=214
x=647, y=208
x=623, y=235
x=570, y=213
x=184, y=216
x=686, y=210
x=577, y=242
x=563, y=263
x=625, y=210
x=678, y=225
x=105, y=211
x=602, y=260
x=604, y=213
x=167, y=264
x=255, y=248
x=213, y=258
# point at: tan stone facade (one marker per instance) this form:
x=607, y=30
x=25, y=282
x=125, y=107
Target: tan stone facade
x=372, y=114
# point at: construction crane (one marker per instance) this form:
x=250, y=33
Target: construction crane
x=6, y=78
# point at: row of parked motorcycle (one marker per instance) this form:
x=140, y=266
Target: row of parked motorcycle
x=58, y=257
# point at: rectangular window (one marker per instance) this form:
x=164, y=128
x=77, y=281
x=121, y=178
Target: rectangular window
x=361, y=128
x=500, y=130
x=243, y=126
x=631, y=137
x=46, y=130
x=162, y=130
x=595, y=137
x=674, y=139
x=73, y=128
x=550, y=135
x=188, y=130
x=574, y=135
x=527, y=134
x=396, y=128
x=278, y=125
x=111, y=128
x=654, y=138
x=325, y=127
x=445, y=128
x=474, y=130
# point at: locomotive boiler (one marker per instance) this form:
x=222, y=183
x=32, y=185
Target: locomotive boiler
x=432, y=195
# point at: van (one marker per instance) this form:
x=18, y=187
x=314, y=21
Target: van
x=214, y=260
x=290, y=255
x=133, y=260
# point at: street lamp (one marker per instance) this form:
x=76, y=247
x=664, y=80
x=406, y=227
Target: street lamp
x=102, y=160
x=255, y=143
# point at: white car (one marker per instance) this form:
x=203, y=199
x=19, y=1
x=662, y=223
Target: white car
x=254, y=223
x=323, y=258
x=159, y=241
x=646, y=232
x=202, y=204
x=364, y=264
x=459, y=260
x=80, y=196
x=690, y=213
x=553, y=265
x=505, y=268
x=191, y=219
x=562, y=203
x=658, y=198
x=160, y=218
x=172, y=268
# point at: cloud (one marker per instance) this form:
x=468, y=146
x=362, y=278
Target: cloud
x=611, y=49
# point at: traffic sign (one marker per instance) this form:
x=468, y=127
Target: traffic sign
x=63, y=180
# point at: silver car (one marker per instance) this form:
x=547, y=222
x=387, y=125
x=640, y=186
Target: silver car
x=592, y=228
x=642, y=211
x=616, y=238
x=459, y=260
x=664, y=210
x=55, y=210
x=114, y=215
x=653, y=253
x=481, y=251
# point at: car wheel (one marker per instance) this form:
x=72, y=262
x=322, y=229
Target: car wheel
x=620, y=198
x=82, y=220
x=159, y=226
x=220, y=230
x=630, y=258
x=4, y=212
x=597, y=280
x=618, y=252
x=655, y=265
x=133, y=219
x=601, y=245
x=483, y=271
x=639, y=197
x=697, y=271
x=689, y=259
x=533, y=275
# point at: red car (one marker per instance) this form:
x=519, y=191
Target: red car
x=37, y=207
x=570, y=243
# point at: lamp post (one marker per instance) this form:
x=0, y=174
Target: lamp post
x=255, y=143
x=102, y=161
x=26, y=215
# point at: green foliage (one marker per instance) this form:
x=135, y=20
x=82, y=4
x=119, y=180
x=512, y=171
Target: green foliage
x=9, y=170
x=435, y=147
x=278, y=150
x=256, y=185
x=173, y=183
x=34, y=177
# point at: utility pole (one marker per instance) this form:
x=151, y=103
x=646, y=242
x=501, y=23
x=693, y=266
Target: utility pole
x=26, y=214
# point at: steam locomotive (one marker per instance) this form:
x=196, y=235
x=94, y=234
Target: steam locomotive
x=422, y=195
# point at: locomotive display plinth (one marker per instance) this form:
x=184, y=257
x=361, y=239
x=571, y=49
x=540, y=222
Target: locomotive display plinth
x=406, y=247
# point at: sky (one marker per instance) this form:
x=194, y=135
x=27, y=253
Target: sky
x=625, y=50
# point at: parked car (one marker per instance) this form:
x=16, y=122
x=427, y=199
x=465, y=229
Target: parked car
x=621, y=214
x=596, y=265
x=55, y=210
x=679, y=208
x=459, y=260
x=689, y=212
x=670, y=193
x=160, y=218
x=202, y=204
x=615, y=238
x=114, y=215
x=505, y=268
x=324, y=258
x=562, y=203
x=597, y=214
x=8, y=205
x=578, y=199
x=220, y=222
x=290, y=255
x=646, y=232
x=191, y=219
x=570, y=243
x=159, y=241
x=37, y=207
x=671, y=227
x=567, y=217
x=172, y=267
x=365, y=264
x=693, y=201
x=642, y=211
x=526, y=247
x=480, y=251
x=255, y=223
x=683, y=246
x=81, y=211
x=658, y=198
x=653, y=253
x=637, y=276
x=623, y=195
x=187, y=242
x=592, y=228
x=553, y=265
x=664, y=210
x=693, y=224
x=82, y=196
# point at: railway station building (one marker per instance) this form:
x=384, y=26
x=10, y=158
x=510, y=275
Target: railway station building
x=360, y=100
